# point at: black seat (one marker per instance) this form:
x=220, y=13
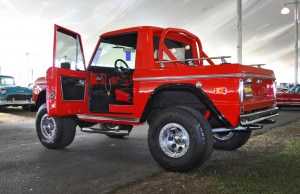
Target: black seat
x=65, y=65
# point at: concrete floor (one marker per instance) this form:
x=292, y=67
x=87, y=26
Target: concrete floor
x=93, y=163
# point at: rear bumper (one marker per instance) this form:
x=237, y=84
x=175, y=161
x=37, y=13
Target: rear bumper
x=255, y=117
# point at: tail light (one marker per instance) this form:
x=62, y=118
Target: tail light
x=36, y=91
x=274, y=90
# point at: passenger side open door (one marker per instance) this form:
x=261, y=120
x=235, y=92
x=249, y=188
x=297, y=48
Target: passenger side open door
x=67, y=79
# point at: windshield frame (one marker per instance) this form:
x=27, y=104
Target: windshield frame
x=126, y=46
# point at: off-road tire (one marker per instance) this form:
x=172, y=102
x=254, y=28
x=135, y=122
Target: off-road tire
x=54, y=132
x=191, y=128
x=229, y=141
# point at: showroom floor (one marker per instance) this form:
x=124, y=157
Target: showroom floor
x=93, y=163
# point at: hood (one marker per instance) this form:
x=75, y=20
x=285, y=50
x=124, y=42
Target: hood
x=12, y=89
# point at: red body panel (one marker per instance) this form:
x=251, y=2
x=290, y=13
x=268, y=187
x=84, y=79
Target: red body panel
x=219, y=82
x=211, y=77
x=56, y=105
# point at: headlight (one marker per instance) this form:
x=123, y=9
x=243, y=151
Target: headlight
x=36, y=91
x=3, y=91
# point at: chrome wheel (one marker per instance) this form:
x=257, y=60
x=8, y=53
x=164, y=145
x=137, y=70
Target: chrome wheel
x=230, y=140
x=223, y=135
x=174, y=140
x=112, y=126
x=48, y=127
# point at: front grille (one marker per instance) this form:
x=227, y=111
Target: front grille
x=18, y=97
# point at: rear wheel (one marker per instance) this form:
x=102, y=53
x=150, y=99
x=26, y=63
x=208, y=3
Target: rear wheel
x=231, y=140
x=54, y=132
x=179, y=140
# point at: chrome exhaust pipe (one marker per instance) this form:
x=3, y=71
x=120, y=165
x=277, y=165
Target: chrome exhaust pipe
x=106, y=132
x=255, y=127
x=239, y=128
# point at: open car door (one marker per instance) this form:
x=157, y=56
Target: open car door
x=67, y=78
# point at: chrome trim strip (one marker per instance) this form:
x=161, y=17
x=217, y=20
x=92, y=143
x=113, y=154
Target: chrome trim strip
x=201, y=77
x=101, y=118
x=288, y=103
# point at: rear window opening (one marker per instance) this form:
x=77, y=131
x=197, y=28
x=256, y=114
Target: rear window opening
x=180, y=50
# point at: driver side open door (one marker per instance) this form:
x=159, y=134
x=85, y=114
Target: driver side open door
x=67, y=78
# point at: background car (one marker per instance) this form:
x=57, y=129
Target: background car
x=281, y=90
x=39, y=85
x=13, y=95
x=289, y=98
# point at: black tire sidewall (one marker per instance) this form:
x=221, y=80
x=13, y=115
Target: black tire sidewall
x=65, y=132
x=198, y=150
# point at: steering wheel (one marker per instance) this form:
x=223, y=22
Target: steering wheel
x=121, y=68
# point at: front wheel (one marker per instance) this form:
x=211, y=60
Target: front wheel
x=231, y=140
x=179, y=140
x=54, y=132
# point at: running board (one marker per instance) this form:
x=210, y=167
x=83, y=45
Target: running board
x=240, y=128
x=106, y=132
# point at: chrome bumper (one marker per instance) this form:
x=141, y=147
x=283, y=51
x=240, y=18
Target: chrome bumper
x=16, y=102
x=251, y=118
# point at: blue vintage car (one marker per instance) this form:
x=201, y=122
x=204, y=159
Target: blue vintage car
x=13, y=95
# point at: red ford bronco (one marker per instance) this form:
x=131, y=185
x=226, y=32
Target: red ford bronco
x=161, y=76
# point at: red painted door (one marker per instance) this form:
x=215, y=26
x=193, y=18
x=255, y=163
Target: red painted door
x=67, y=79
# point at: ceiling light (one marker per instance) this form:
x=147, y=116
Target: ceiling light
x=285, y=10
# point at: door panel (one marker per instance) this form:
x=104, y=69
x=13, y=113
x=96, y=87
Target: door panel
x=73, y=88
x=67, y=79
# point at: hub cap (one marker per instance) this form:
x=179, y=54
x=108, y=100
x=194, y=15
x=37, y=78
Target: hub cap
x=174, y=140
x=48, y=127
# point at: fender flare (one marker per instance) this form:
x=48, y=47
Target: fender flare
x=198, y=92
x=39, y=98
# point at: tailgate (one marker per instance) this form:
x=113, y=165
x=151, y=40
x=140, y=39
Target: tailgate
x=257, y=89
